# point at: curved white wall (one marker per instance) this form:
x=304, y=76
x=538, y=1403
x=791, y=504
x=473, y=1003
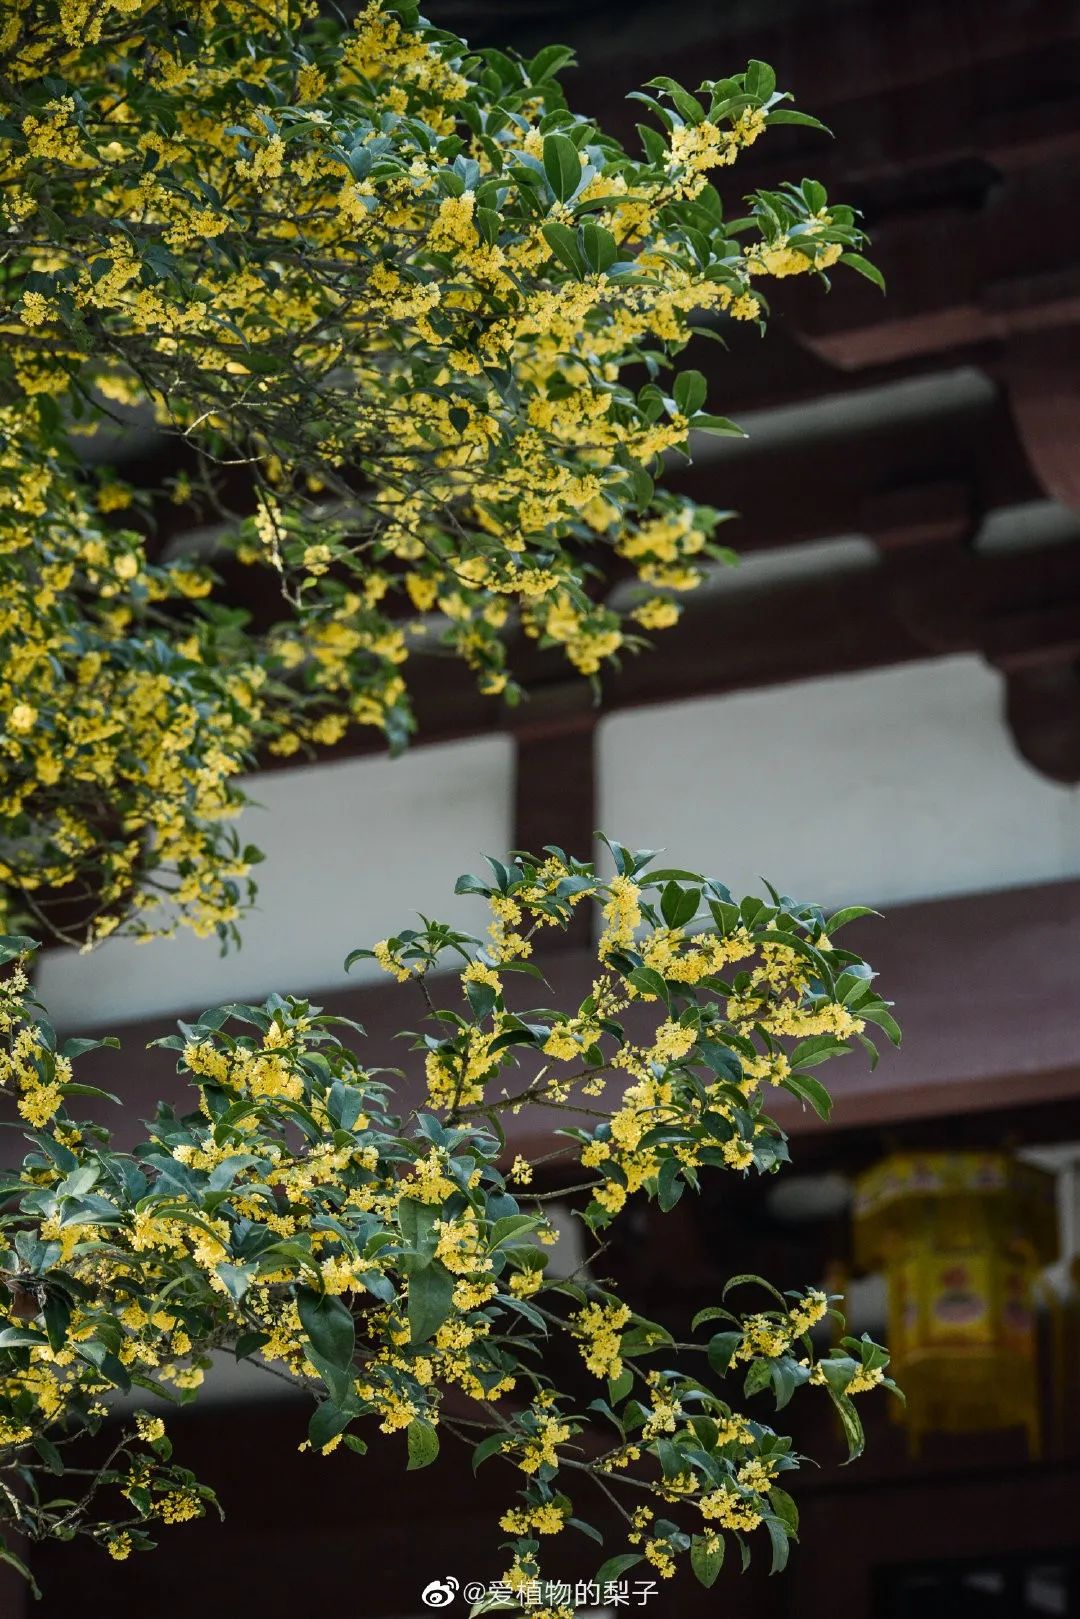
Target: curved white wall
x=353, y=851
x=900, y=784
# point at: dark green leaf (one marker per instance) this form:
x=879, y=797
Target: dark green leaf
x=327, y=1421
x=809, y=1090
x=864, y=267
x=785, y=1509
x=423, y=1444
x=487, y=1447
x=563, y=243
x=615, y=1567
x=690, y=391
x=703, y=423
x=850, y=1422
x=722, y=1347
x=705, y=1560
x=788, y=115
x=780, y=1543
x=601, y=249
x=562, y=166
x=329, y=1326
x=430, y=1292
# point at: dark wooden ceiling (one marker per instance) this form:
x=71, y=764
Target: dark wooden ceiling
x=910, y=420
x=957, y=129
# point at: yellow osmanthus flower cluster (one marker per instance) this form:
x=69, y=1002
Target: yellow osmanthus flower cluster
x=687, y=1095
x=385, y=294
x=737, y=999
x=600, y=1328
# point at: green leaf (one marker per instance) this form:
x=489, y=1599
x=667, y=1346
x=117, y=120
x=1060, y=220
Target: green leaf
x=706, y=1561
x=758, y=1376
x=619, y=1387
x=816, y=1049
x=586, y=1529
x=17, y=1337
x=669, y=1187
x=104, y=1361
x=249, y=1343
x=711, y=1312
x=782, y=1375
x=8, y=1556
x=850, y=1422
x=720, y=1060
x=850, y=913
x=562, y=166
x=756, y=1281
x=329, y=1326
x=57, y=1314
x=864, y=267
x=703, y=423
x=785, y=1509
x=73, y=1088
x=655, y=146
x=78, y=1047
x=338, y=1380
x=722, y=1347
x=430, y=1293
x=49, y=1454
x=513, y=1225
x=643, y=1337
x=601, y=249
x=809, y=1090
x=760, y=80
x=551, y=60
x=487, y=1447
x=466, y=885
x=689, y=106
x=780, y=1543
x=617, y=1566
x=423, y=1444
x=884, y=1020
x=344, y=1104
x=690, y=391
x=649, y=980
x=236, y=1279
x=482, y=998
x=327, y=1421
x=788, y=115
x=563, y=243
x=417, y=1222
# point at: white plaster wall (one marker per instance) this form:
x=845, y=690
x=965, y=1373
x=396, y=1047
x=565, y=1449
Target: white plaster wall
x=894, y=785
x=353, y=851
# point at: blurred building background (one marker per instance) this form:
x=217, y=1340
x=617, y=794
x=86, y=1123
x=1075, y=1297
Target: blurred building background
x=882, y=705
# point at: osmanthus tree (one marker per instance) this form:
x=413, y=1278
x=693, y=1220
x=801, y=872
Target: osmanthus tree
x=412, y=328
x=408, y=330
x=393, y=1265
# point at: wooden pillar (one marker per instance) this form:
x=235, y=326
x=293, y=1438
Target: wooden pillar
x=555, y=782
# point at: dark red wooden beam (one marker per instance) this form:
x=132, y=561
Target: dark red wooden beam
x=944, y=599
x=971, y=976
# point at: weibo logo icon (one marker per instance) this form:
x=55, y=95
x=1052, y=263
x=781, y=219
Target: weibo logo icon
x=440, y=1593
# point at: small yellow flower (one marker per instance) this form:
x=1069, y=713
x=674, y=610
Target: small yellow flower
x=23, y=718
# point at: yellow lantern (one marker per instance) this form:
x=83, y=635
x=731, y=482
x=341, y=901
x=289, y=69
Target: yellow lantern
x=962, y=1237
